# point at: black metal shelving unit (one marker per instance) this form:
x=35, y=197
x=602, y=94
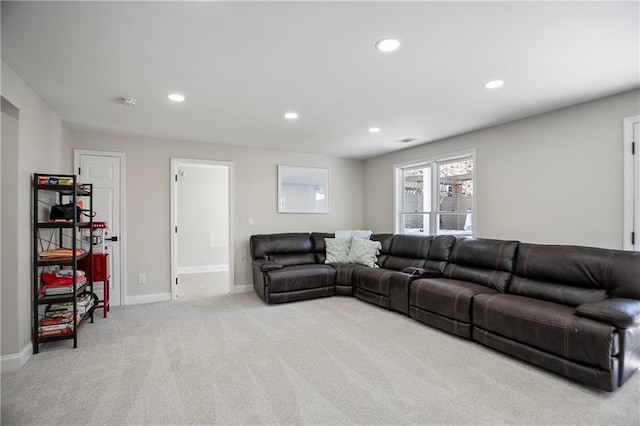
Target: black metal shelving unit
x=59, y=234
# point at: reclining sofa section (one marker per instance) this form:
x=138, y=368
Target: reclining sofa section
x=571, y=310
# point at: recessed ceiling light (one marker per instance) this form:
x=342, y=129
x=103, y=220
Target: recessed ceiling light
x=493, y=84
x=387, y=45
x=290, y=115
x=374, y=129
x=176, y=97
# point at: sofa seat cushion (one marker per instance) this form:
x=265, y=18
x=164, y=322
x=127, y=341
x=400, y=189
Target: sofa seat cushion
x=446, y=297
x=374, y=280
x=547, y=326
x=300, y=277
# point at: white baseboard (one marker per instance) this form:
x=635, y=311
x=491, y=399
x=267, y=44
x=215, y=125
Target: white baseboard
x=202, y=269
x=147, y=298
x=246, y=288
x=13, y=362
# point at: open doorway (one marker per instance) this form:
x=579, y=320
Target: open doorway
x=202, y=261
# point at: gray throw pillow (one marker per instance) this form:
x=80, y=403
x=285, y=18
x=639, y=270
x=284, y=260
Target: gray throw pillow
x=337, y=250
x=364, y=252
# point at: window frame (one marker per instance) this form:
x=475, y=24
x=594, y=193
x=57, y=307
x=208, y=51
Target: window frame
x=434, y=211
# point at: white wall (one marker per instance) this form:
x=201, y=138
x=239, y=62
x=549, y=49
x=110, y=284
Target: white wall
x=9, y=274
x=255, y=195
x=42, y=147
x=554, y=178
x=203, y=216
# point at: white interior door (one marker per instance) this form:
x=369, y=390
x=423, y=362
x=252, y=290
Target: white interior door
x=105, y=171
x=631, y=183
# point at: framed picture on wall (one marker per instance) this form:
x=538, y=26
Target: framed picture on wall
x=303, y=189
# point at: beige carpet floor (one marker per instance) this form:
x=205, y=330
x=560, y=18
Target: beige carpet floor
x=234, y=360
x=203, y=285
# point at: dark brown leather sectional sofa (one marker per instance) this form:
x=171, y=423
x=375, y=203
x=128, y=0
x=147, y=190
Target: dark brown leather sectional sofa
x=571, y=310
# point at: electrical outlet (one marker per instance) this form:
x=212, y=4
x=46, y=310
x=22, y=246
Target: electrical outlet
x=142, y=278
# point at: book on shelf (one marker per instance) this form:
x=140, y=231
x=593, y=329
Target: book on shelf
x=55, y=327
x=57, y=314
x=50, y=333
x=84, y=302
x=57, y=318
x=55, y=180
x=57, y=291
x=53, y=321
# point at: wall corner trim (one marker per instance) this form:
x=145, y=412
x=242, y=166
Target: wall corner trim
x=13, y=362
x=147, y=298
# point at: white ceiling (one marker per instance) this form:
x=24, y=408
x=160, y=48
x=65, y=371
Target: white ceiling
x=241, y=65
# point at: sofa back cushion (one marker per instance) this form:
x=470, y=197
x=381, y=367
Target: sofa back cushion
x=286, y=249
x=575, y=275
x=407, y=250
x=624, y=270
x=385, y=240
x=482, y=261
x=319, y=246
x=439, y=252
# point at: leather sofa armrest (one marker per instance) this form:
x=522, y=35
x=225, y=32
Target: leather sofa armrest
x=621, y=313
x=270, y=266
x=421, y=272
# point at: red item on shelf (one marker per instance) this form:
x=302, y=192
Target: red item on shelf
x=97, y=225
x=55, y=332
x=99, y=272
x=51, y=279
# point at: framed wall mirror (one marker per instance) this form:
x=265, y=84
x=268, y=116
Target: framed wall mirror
x=303, y=189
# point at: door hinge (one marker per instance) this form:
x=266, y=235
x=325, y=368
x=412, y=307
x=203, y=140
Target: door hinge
x=633, y=238
x=176, y=281
x=79, y=171
x=633, y=148
x=176, y=230
x=175, y=177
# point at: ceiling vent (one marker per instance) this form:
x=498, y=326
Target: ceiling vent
x=406, y=140
x=128, y=102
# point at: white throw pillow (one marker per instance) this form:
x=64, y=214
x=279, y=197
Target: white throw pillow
x=344, y=234
x=364, y=234
x=359, y=233
x=364, y=252
x=337, y=250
